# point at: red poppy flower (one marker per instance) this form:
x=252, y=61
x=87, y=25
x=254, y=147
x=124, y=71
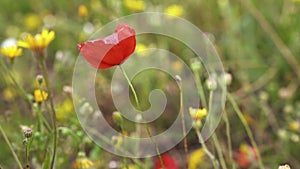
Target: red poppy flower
x=168, y=160
x=112, y=50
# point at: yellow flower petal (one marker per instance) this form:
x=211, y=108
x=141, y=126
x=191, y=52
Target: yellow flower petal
x=175, y=10
x=135, y=5
x=195, y=159
x=38, y=42
x=197, y=114
x=40, y=95
x=11, y=51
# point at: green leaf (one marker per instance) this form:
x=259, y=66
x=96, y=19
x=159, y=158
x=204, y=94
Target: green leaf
x=46, y=164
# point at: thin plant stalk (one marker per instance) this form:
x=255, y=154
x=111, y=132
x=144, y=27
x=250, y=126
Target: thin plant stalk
x=219, y=150
x=200, y=89
x=17, y=85
x=10, y=147
x=108, y=141
x=247, y=128
x=215, y=138
x=183, y=126
x=26, y=154
x=53, y=119
x=210, y=155
x=202, y=97
x=122, y=131
x=139, y=107
x=227, y=124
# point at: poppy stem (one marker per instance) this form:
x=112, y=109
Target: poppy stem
x=139, y=108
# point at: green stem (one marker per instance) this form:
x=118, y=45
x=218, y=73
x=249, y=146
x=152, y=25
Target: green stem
x=10, y=147
x=17, y=85
x=45, y=74
x=229, y=139
x=210, y=155
x=200, y=89
x=108, y=141
x=248, y=130
x=139, y=108
x=26, y=154
x=219, y=150
x=183, y=126
x=215, y=138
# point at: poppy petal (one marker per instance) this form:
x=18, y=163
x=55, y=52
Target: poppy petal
x=111, y=50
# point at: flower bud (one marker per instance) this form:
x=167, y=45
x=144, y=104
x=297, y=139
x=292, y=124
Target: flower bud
x=286, y=166
x=197, y=124
x=28, y=133
x=211, y=83
x=25, y=141
x=138, y=118
x=228, y=78
x=178, y=78
x=117, y=118
x=195, y=64
x=39, y=79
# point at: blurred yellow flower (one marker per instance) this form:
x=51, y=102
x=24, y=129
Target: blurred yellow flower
x=38, y=42
x=175, y=10
x=140, y=49
x=195, y=159
x=32, y=21
x=83, y=11
x=177, y=66
x=294, y=125
x=248, y=118
x=296, y=1
x=135, y=5
x=82, y=162
x=40, y=95
x=9, y=93
x=11, y=52
x=64, y=110
x=197, y=114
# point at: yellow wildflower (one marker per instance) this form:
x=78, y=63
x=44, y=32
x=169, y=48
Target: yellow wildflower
x=135, y=5
x=83, y=11
x=40, y=95
x=82, y=162
x=11, y=52
x=197, y=114
x=9, y=93
x=294, y=125
x=196, y=158
x=32, y=21
x=177, y=66
x=140, y=49
x=38, y=42
x=175, y=10
x=64, y=110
